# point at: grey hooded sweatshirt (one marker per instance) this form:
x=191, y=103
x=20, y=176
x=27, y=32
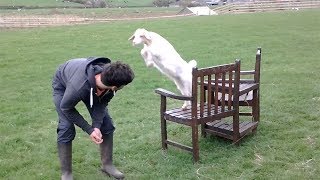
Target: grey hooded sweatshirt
x=74, y=81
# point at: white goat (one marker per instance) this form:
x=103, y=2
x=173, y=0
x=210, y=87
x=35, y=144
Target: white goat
x=158, y=52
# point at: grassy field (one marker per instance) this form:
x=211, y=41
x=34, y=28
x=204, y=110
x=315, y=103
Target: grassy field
x=137, y=9
x=124, y=3
x=286, y=146
x=60, y=3
x=94, y=12
x=36, y=3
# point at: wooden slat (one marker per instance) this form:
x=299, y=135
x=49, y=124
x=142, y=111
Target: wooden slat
x=213, y=122
x=216, y=92
x=202, y=95
x=186, y=114
x=218, y=133
x=227, y=128
x=214, y=69
x=230, y=90
x=247, y=128
x=245, y=113
x=223, y=91
x=217, y=125
x=179, y=145
x=265, y=6
x=209, y=95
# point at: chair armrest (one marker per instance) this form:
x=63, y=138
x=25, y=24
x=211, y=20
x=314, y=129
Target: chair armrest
x=247, y=72
x=246, y=81
x=172, y=95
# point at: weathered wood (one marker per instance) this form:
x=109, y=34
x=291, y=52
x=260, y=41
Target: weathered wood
x=248, y=96
x=226, y=128
x=179, y=145
x=205, y=103
x=266, y=6
x=217, y=93
x=248, y=90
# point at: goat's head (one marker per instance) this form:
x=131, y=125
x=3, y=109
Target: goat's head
x=140, y=36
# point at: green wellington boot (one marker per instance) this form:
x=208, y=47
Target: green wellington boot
x=65, y=156
x=106, y=149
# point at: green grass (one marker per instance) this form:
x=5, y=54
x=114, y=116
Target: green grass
x=94, y=12
x=36, y=3
x=60, y=3
x=130, y=3
x=286, y=145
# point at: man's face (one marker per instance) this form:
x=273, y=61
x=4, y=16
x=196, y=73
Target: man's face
x=113, y=88
x=118, y=88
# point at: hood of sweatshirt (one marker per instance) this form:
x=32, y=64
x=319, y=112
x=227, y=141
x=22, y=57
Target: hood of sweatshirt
x=94, y=67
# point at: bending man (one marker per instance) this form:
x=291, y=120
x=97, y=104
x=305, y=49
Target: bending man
x=93, y=81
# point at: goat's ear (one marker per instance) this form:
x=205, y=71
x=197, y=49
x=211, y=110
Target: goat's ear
x=147, y=35
x=131, y=38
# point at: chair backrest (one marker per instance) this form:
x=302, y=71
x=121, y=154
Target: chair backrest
x=208, y=82
x=257, y=66
x=253, y=74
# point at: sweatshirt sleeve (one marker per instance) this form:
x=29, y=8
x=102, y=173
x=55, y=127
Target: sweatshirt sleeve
x=69, y=101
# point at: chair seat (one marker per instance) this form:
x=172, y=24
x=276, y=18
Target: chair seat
x=183, y=116
x=226, y=128
x=246, y=93
x=246, y=88
x=246, y=97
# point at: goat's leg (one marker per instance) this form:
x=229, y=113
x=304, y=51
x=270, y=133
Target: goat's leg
x=147, y=57
x=187, y=91
x=186, y=103
x=183, y=87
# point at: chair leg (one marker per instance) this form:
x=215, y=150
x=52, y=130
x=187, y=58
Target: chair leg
x=164, y=133
x=258, y=105
x=255, y=106
x=203, y=132
x=254, y=131
x=163, y=123
x=236, y=133
x=195, y=143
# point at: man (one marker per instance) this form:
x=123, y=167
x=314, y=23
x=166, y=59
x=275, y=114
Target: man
x=93, y=81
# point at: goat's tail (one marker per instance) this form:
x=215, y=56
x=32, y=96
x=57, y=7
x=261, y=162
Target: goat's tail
x=192, y=63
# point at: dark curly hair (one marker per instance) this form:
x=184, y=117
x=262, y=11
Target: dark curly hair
x=116, y=74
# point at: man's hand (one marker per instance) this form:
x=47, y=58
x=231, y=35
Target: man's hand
x=96, y=136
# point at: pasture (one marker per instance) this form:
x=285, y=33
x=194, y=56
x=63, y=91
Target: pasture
x=60, y=3
x=37, y=3
x=287, y=142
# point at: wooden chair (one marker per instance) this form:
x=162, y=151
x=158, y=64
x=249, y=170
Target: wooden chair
x=205, y=106
x=250, y=97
